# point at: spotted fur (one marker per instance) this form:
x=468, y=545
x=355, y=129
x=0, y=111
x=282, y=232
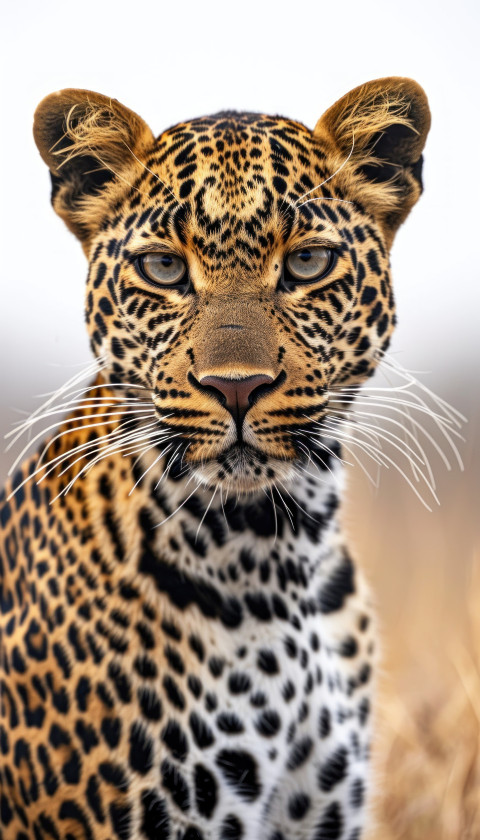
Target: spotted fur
x=187, y=646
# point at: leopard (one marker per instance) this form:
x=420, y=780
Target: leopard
x=188, y=648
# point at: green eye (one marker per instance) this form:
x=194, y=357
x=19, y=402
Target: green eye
x=163, y=269
x=309, y=264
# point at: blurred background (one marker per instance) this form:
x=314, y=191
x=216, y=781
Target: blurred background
x=173, y=61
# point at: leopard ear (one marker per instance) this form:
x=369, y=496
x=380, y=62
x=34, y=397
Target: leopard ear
x=381, y=127
x=89, y=142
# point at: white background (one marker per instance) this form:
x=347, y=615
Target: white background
x=170, y=61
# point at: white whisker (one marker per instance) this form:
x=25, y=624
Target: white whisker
x=25, y=425
x=296, y=502
x=329, y=178
x=157, y=177
x=105, y=453
x=388, y=419
x=223, y=508
x=92, y=368
x=274, y=512
x=206, y=511
x=179, y=506
x=384, y=457
x=168, y=465
x=385, y=433
x=117, y=444
x=286, y=508
x=157, y=459
x=321, y=442
x=73, y=430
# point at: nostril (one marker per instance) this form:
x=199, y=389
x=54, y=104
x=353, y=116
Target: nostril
x=260, y=389
x=235, y=394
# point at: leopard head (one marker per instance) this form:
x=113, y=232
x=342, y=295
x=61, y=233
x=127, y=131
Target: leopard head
x=238, y=263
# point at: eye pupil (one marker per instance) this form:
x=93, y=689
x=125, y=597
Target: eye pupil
x=305, y=256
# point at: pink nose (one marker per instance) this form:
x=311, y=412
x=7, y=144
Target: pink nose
x=235, y=394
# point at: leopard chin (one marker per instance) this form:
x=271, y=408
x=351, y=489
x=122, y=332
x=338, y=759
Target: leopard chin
x=243, y=469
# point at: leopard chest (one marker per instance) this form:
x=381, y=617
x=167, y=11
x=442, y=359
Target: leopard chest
x=205, y=719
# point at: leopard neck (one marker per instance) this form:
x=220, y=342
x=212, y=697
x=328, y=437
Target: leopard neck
x=174, y=536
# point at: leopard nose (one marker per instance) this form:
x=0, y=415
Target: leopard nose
x=236, y=394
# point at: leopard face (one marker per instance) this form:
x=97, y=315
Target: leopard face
x=203, y=246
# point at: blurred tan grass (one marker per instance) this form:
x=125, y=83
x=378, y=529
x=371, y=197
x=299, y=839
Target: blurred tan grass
x=427, y=741
x=427, y=759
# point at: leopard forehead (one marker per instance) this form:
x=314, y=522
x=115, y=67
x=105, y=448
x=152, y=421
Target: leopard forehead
x=232, y=190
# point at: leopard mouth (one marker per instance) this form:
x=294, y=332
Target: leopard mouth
x=241, y=465
x=243, y=468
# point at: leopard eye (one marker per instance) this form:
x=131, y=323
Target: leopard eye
x=308, y=264
x=162, y=269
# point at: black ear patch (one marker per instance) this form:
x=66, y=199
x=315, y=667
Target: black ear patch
x=86, y=172
x=391, y=147
x=394, y=143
